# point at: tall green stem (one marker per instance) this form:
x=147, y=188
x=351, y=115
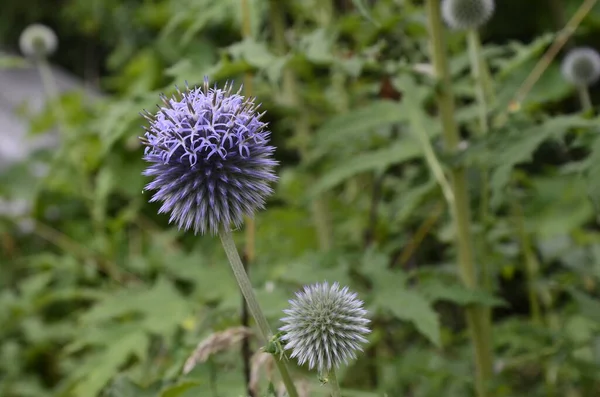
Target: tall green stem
x=476, y=316
x=585, y=99
x=483, y=93
x=334, y=384
x=319, y=206
x=246, y=288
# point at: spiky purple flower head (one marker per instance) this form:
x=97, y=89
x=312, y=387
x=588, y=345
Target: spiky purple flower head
x=325, y=326
x=210, y=158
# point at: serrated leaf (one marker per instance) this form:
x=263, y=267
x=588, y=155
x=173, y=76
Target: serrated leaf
x=99, y=369
x=519, y=146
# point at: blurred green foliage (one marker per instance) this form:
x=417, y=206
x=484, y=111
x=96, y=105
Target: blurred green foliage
x=102, y=298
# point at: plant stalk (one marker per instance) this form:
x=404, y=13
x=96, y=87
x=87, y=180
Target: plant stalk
x=585, y=99
x=477, y=320
x=334, y=384
x=483, y=93
x=246, y=287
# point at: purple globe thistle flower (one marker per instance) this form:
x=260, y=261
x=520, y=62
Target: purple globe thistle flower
x=325, y=326
x=581, y=66
x=209, y=157
x=467, y=14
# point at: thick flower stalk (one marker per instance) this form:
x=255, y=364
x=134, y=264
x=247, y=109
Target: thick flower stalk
x=38, y=41
x=581, y=66
x=467, y=14
x=325, y=326
x=209, y=157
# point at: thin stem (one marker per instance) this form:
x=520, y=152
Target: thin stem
x=476, y=316
x=483, y=93
x=585, y=99
x=246, y=287
x=334, y=384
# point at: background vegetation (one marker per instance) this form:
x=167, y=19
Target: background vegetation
x=100, y=297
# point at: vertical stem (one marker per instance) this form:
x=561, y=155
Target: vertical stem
x=334, y=384
x=250, y=229
x=483, y=93
x=319, y=206
x=584, y=99
x=246, y=287
x=476, y=318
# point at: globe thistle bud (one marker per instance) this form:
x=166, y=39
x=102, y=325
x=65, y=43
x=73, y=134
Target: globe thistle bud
x=38, y=41
x=325, y=326
x=467, y=14
x=209, y=157
x=581, y=66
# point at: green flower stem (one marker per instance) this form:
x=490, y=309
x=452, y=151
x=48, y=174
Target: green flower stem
x=476, y=315
x=246, y=288
x=585, y=99
x=483, y=93
x=334, y=384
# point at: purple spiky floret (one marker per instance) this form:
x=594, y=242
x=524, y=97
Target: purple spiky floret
x=209, y=157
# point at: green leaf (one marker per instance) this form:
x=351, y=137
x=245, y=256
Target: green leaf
x=376, y=161
x=179, y=389
x=438, y=290
x=362, y=8
x=518, y=147
x=97, y=370
x=358, y=122
x=12, y=62
x=588, y=306
x=255, y=53
x=396, y=298
x=161, y=306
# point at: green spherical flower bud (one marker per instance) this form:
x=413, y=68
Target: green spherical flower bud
x=38, y=41
x=325, y=326
x=467, y=14
x=581, y=66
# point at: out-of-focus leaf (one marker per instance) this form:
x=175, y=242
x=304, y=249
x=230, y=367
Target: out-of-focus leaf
x=436, y=290
x=375, y=161
x=362, y=8
x=179, y=389
x=348, y=126
x=396, y=298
